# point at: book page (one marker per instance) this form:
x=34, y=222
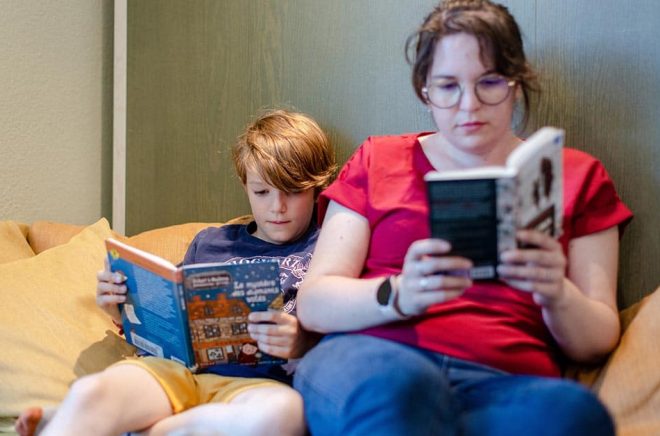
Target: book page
x=144, y=259
x=539, y=164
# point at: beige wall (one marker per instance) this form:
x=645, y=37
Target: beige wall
x=55, y=109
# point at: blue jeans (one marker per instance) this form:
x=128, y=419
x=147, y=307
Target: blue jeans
x=360, y=385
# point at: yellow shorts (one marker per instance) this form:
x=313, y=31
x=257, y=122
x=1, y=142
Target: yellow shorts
x=186, y=389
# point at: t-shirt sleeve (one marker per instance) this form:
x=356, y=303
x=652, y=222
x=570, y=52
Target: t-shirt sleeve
x=351, y=186
x=597, y=206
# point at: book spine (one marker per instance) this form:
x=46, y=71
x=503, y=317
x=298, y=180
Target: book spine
x=185, y=327
x=507, y=213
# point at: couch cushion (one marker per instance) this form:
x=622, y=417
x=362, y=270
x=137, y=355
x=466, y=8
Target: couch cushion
x=25, y=228
x=169, y=242
x=172, y=242
x=47, y=234
x=13, y=245
x=52, y=331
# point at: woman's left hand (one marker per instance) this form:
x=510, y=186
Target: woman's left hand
x=540, y=269
x=277, y=333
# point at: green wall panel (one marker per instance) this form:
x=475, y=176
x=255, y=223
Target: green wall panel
x=198, y=71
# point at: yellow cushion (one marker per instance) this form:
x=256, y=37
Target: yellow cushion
x=47, y=234
x=170, y=242
x=25, y=228
x=13, y=245
x=51, y=330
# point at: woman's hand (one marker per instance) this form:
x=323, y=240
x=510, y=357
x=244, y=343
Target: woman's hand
x=430, y=276
x=278, y=334
x=110, y=291
x=540, y=269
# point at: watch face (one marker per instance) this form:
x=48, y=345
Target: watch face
x=383, y=293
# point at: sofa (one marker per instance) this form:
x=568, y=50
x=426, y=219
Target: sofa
x=52, y=332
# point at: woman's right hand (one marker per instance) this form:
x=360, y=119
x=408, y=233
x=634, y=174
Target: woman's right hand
x=430, y=276
x=110, y=291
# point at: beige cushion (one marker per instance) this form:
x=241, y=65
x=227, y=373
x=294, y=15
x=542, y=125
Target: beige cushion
x=13, y=245
x=170, y=242
x=47, y=234
x=629, y=382
x=51, y=330
x=25, y=228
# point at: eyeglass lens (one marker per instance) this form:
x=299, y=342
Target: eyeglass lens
x=489, y=90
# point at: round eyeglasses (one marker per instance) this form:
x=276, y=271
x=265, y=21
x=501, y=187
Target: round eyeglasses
x=490, y=90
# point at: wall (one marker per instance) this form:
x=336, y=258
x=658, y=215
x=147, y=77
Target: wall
x=55, y=111
x=197, y=72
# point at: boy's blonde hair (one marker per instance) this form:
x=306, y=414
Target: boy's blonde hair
x=288, y=150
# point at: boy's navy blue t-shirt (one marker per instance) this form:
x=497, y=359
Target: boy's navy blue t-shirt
x=234, y=243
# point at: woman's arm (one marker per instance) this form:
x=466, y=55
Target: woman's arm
x=333, y=299
x=580, y=308
x=586, y=323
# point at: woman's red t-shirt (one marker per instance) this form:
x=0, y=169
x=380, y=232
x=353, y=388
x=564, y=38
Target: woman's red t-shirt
x=491, y=323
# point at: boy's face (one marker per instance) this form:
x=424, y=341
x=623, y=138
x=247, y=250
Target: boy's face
x=281, y=217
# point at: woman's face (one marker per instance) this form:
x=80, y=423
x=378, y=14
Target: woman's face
x=470, y=126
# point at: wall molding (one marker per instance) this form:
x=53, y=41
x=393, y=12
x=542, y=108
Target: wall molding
x=119, y=117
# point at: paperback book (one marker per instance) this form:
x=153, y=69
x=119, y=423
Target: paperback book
x=195, y=314
x=479, y=210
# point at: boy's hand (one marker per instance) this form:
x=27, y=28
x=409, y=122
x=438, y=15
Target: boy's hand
x=278, y=334
x=110, y=291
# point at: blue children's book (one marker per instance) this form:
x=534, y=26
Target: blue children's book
x=479, y=210
x=194, y=314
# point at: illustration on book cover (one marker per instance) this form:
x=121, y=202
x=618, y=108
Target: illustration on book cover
x=218, y=320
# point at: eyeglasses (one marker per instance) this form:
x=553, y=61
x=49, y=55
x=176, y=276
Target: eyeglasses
x=490, y=90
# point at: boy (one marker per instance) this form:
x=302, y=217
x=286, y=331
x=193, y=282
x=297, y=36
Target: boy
x=283, y=160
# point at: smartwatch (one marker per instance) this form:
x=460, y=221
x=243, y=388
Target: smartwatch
x=386, y=296
x=384, y=292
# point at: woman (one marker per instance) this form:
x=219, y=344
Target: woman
x=429, y=351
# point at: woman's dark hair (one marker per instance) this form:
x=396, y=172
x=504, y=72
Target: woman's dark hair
x=494, y=27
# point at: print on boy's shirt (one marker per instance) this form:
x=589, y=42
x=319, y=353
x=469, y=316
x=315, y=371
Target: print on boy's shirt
x=292, y=271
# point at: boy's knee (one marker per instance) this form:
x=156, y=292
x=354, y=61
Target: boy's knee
x=288, y=413
x=280, y=413
x=89, y=386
